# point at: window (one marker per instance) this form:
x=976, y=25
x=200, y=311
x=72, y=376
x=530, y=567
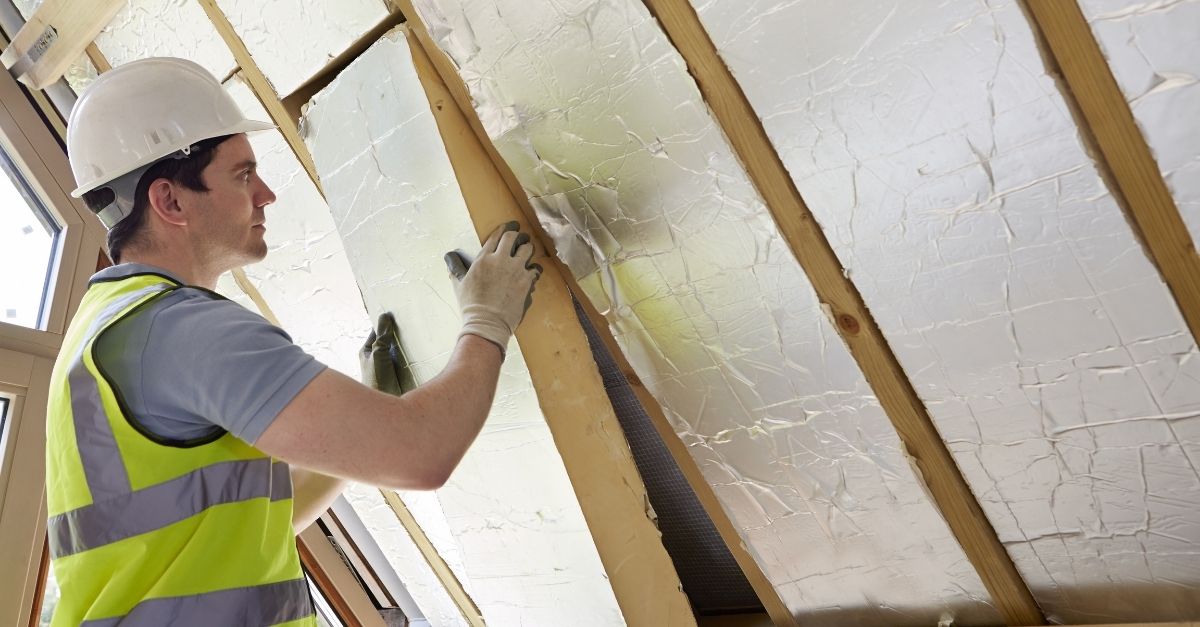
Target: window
x=326, y=616
x=3, y=416
x=50, y=595
x=28, y=240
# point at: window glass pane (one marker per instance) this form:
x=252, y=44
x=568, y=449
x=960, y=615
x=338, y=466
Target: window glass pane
x=326, y=616
x=27, y=238
x=49, y=599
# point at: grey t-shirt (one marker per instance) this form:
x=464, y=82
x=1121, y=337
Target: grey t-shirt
x=192, y=364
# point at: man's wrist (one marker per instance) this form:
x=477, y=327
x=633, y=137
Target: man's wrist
x=482, y=342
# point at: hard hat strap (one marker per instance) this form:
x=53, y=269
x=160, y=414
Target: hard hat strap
x=124, y=190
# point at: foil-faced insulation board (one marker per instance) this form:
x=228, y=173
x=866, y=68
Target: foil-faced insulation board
x=507, y=522
x=306, y=277
x=307, y=281
x=79, y=75
x=165, y=28
x=1153, y=49
x=598, y=118
x=291, y=40
x=944, y=166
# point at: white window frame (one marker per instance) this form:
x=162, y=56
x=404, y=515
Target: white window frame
x=27, y=355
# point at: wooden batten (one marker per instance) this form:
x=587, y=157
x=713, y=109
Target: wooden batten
x=459, y=95
x=54, y=36
x=462, y=600
x=262, y=88
x=294, y=102
x=854, y=322
x=568, y=385
x=99, y=61
x=1107, y=125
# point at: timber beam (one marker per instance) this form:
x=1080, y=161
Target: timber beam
x=949, y=490
x=568, y=385
x=457, y=94
x=54, y=37
x=262, y=88
x=1122, y=154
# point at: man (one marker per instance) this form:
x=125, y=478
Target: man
x=188, y=439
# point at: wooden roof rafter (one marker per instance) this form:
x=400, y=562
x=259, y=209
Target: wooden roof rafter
x=1122, y=154
x=638, y=558
x=54, y=37
x=571, y=393
x=878, y=363
x=458, y=95
x=262, y=88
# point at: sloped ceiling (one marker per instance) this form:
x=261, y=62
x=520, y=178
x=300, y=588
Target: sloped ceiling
x=942, y=163
x=511, y=527
x=947, y=171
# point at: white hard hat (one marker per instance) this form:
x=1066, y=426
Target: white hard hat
x=142, y=112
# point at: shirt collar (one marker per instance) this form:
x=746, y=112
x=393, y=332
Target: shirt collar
x=126, y=270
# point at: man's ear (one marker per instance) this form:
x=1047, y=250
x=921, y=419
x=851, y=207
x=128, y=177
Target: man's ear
x=163, y=196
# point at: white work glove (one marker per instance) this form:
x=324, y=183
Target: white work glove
x=496, y=288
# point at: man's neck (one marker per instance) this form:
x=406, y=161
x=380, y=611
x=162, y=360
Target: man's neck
x=186, y=269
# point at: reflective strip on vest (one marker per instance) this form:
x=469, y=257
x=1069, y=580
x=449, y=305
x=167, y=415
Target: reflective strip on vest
x=166, y=503
x=102, y=466
x=269, y=604
x=230, y=481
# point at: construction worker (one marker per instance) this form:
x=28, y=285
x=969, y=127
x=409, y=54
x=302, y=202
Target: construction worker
x=189, y=440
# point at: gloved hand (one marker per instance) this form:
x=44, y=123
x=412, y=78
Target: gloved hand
x=384, y=365
x=496, y=288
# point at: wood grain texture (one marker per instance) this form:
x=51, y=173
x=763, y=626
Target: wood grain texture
x=57, y=33
x=243, y=283
x=458, y=93
x=262, y=89
x=570, y=391
x=1107, y=123
x=99, y=61
x=453, y=586
x=854, y=322
x=305, y=544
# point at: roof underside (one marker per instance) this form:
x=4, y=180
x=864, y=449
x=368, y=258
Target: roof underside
x=947, y=171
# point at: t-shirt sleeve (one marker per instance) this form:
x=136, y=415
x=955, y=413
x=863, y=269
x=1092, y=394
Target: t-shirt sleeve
x=212, y=360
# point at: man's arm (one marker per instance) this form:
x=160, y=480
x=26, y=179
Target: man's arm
x=384, y=367
x=312, y=494
x=339, y=427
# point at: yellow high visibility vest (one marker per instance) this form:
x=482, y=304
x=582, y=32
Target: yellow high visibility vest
x=144, y=533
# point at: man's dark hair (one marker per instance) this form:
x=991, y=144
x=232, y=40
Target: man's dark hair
x=186, y=172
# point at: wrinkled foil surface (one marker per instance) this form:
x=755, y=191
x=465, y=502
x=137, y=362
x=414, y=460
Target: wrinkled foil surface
x=945, y=168
x=291, y=40
x=1153, y=49
x=507, y=522
x=598, y=118
x=306, y=277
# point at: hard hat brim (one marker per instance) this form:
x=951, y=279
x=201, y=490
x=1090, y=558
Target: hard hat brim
x=244, y=126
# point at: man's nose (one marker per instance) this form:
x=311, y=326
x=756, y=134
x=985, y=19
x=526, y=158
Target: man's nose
x=264, y=196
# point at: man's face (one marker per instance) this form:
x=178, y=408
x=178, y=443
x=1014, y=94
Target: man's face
x=228, y=225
